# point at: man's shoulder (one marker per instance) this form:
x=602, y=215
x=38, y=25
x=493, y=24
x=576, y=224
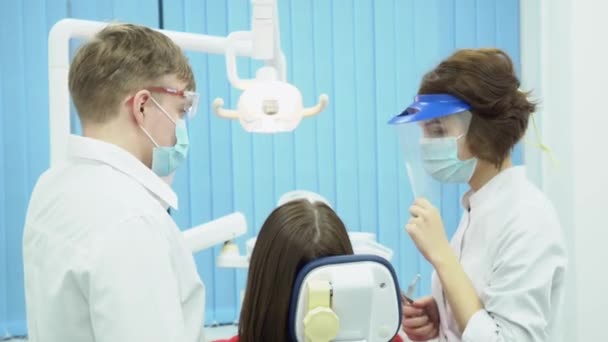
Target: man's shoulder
x=87, y=193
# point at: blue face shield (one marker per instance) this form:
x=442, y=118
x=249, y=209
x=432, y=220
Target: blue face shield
x=166, y=159
x=432, y=134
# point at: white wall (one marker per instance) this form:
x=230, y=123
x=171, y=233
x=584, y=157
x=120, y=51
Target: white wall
x=565, y=58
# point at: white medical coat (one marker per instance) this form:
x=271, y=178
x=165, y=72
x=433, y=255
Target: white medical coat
x=511, y=246
x=103, y=260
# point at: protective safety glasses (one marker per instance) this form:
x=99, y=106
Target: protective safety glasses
x=191, y=98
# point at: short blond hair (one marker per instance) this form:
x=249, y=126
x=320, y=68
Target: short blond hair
x=120, y=59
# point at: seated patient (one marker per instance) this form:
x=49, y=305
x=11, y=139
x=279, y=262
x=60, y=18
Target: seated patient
x=294, y=234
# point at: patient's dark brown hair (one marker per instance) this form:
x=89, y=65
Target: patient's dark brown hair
x=294, y=234
x=486, y=79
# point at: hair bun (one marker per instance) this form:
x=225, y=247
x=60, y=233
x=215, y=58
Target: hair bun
x=513, y=104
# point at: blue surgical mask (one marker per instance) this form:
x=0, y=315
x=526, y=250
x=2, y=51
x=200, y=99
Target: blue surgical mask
x=440, y=160
x=165, y=160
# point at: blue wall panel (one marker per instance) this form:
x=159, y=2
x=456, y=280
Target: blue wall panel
x=364, y=115
x=15, y=135
x=242, y=149
x=3, y=227
x=302, y=72
x=367, y=55
x=406, y=87
x=389, y=224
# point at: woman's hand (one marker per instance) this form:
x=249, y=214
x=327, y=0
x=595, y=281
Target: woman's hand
x=421, y=319
x=426, y=229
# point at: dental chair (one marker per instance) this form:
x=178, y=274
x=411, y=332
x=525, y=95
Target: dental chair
x=350, y=298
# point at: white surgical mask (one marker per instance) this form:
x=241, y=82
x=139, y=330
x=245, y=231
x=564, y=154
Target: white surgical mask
x=440, y=159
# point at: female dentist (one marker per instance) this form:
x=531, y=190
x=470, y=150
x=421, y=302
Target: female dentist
x=501, y=278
